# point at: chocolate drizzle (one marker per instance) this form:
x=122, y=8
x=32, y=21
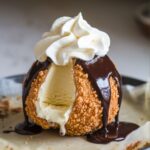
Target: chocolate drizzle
x=123, y=130
x=27, y=127
x=8, y=131
x=99, y=71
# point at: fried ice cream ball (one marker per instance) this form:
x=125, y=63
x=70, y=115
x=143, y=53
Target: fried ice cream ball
x=86, y=114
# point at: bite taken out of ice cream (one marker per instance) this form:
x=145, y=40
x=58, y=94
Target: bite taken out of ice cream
x=73, y=85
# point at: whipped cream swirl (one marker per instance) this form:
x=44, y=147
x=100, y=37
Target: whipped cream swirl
x=72, y=38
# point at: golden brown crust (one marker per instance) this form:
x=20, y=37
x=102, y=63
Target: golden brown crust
x=114, y=107
x=86, y=115
x=32, y=98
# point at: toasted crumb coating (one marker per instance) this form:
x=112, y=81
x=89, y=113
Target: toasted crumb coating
x=114, y=107
x=86, y=115
x=32, y=98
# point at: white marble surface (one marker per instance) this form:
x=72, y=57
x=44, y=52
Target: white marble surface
x=23, y=22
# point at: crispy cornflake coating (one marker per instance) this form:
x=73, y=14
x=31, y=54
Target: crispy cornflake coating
x=32, y=98
x=86, y=115
x=114, y=107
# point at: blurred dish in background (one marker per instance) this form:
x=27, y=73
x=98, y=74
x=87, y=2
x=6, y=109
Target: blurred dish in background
x=143, y=18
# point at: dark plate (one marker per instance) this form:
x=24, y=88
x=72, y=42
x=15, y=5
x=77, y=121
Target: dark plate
x=125, y=80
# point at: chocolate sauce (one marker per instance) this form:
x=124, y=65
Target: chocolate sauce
x=99, y=71
x=113, y=134
x=8, y=131
x=27, y=127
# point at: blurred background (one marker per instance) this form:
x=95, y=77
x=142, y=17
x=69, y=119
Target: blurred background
x=23, y=22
